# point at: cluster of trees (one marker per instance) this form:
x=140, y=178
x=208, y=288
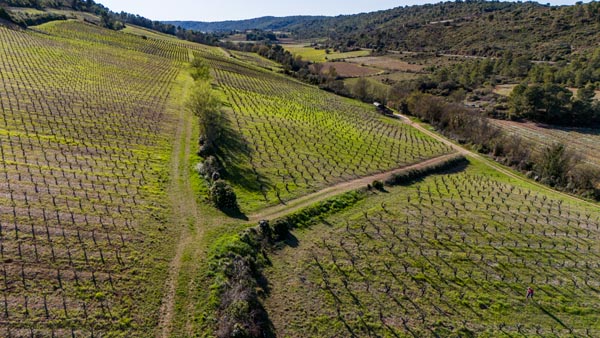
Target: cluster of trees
x=494, y=28
x=556, y=166
x=26, y=18
x=182, y=33
x=205, y=104
x=260, y=35
x=554, y=104
x=542, y=96
x=582, y=70
x=108, y=18
x=24, y=3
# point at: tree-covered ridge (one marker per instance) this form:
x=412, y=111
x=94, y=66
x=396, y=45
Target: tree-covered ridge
x=473, y=28
x=263, y=23
x=107, y=18
x=484, y=28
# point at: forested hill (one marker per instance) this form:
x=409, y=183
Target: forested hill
x=264, y=23
x=473, y=28
x=484, y=28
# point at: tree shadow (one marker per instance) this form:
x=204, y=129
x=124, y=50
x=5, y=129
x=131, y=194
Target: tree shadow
x=234, y=153
x=291, y=240
x=235, y=213
x=551, y=315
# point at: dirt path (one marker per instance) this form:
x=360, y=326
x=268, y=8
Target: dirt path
x=305, y=201
x=490, y=163
x=184, y=213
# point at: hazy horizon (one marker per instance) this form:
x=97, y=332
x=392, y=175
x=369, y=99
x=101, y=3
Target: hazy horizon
x=225, y=10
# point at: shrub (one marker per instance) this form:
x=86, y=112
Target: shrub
x=223, y=196
x=554, y=164
x=378, y=185
x=210, y=168
x=200, y=70
x=204, y=103
x=411, y=176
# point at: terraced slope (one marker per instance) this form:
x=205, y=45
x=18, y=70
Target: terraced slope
x=86, y=126
x=583, y=141
x=449, y=256
x=296, y=139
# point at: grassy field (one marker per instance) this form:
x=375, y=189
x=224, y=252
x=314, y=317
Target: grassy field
x=585, y=142
x=373, y=81
x=86, y=138
x=449, y=256
x=320, y=55
x=291, y=139
x=396, y=77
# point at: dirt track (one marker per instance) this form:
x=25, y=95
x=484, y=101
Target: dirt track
x=305, y=201
x=486, y=161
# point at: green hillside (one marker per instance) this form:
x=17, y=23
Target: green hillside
x=483, y=28
x=156, y=187
x=449, y=256
x=264, y=23
x=294, y=139
x=88, y=116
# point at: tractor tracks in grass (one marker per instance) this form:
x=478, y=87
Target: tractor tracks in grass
x=184, y=214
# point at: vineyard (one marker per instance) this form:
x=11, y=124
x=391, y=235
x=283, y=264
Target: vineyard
x=86, y=137
x=321, y=55
x=585, y=142
x=451, y=255
x=293, y=139
x=106, y=229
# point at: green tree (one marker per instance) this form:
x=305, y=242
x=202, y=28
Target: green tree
x=583, y=106
x=554, y=164
x=223, y=196
x=361, y=89
x=555, y=103
x=519, y=104
x=204, y=103
x=200, y=70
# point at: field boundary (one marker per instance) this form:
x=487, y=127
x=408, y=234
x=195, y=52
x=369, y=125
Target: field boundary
x=184, y=213
x=488, y=162
x=307, y=200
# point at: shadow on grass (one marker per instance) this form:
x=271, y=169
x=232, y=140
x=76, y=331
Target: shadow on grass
x=234, y=153
x=551, y=315
x=452, y=166
x=235, y=213
x=291, y=240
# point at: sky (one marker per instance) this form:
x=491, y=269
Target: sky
x=220, y=10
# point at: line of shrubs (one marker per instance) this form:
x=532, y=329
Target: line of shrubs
x=205, y=104
x=556, y=166
x=411, y=176
x=237, y=261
